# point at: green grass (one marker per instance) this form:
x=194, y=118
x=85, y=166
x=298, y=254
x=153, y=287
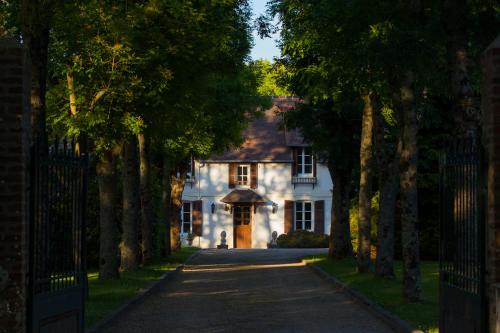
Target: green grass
x=388, y=293
x=106, y=296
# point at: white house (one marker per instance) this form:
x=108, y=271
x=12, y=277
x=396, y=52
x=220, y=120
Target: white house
x=271, y=183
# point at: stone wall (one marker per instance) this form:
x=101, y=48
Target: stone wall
x=491, y=136
x=14, y=181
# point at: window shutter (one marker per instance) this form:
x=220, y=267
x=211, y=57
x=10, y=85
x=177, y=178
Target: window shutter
x=314, y=165
x=253, y=175
x=288, y=216
x=232, y=175
x=197, y=218
x=294, y=162
x=319, y=216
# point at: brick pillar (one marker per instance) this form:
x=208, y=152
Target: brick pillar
x=490, y=105
x=14, y=181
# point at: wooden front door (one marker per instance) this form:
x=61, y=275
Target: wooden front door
x=242, y=217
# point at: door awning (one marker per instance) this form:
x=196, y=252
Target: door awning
x=243, y=196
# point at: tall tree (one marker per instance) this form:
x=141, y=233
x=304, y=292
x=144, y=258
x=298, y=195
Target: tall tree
x=333, y=131
x=109, y=259
x=36, y=21
x=166, y=200
x=365, y=185
x=353, y=45
x=93, y=70
x=388, y=154
x=129, y=247
x=409, y=194
x=147, y=213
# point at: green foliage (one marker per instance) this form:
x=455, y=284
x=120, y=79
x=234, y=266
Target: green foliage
x=332, y=129
x=173, y=69
x=302, y=239
x=333, y=51
x=354, y=218
x=423, y=315
x=269, y=78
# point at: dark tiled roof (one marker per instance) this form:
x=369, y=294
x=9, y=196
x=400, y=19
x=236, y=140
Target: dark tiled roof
x=265, y=138
x=247, y=196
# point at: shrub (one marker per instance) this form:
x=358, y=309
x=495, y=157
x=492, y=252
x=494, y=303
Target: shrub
x=302, y=239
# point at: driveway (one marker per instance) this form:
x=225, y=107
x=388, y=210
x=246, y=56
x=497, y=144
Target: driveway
x=247, y=291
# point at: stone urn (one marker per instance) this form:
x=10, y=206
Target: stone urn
x=223, y=243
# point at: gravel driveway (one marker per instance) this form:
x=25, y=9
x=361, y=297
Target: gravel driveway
x=247, y=291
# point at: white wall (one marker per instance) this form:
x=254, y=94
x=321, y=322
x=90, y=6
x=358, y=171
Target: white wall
x=274, y=185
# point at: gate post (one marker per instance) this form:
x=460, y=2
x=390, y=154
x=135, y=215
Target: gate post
x=490, y=105
x=15, y=132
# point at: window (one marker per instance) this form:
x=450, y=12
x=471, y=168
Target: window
x=186, y=215
x=242, y=215
x=303, y=215
x=243, y=175
x=305, y=162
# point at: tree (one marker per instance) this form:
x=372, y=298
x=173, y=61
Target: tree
x=388, y=155
x=333, y=131
x=109, y=259
x=146, y=200
x=468, y=27
x=373, y=51
x=201, y=104
x=92, y=67
x=129, y=247
x=365, y=185
x=269, y=77
x=36, y=22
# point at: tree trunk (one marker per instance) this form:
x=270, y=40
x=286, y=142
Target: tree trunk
x=409, y=195
x=71, y=91
x=365, y=186
x=388, y=166
x=455, y=26
x=109, y=260
x=340, y=245
x=177, y=187
x=166, y=205
x=147, y=214
x=35, y=29
x=129, y=247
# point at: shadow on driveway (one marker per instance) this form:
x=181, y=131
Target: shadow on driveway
x=247, y=291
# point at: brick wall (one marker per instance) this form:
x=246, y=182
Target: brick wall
x=491, y=136
x=14, y=157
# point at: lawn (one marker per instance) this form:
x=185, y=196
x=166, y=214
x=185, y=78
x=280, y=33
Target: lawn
x=106, y=296
x=387, y=293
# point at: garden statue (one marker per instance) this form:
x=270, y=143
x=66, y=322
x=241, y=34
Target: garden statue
x=274, y=240
x=222, y=244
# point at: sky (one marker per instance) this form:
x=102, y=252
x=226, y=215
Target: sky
x=263, y=48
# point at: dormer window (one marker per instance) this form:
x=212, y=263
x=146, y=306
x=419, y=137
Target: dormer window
x=243, y=175
x=304, y=162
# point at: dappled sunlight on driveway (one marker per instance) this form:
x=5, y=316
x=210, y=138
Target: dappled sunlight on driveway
x=248, y=291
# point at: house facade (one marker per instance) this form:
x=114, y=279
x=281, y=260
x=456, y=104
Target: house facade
x=272, y=183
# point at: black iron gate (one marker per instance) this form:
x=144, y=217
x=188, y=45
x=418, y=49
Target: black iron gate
x=462, y=241
x=57, y=237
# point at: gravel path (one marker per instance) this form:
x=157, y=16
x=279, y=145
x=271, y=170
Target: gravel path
x=247, y=291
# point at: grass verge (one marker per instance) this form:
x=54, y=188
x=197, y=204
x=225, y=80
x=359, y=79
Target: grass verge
x=106, y=296
x=387, y=293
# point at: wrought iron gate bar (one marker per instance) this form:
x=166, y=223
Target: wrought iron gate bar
x=57, y=270
x=462, y=237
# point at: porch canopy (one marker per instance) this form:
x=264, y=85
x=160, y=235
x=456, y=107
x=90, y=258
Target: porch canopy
x=243, y=196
